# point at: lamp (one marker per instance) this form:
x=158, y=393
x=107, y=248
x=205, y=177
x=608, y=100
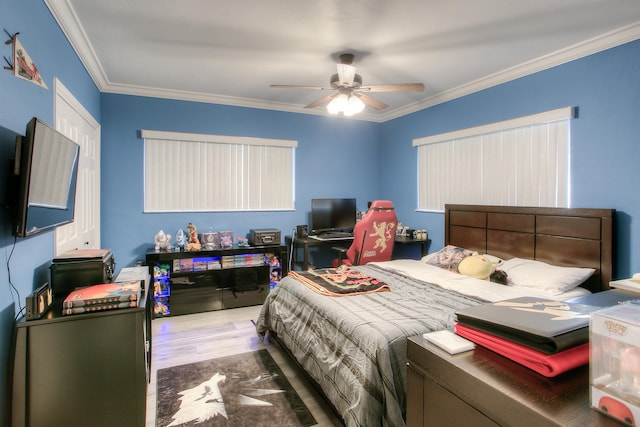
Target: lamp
x=346, y=104
x=338, y=104
x=355, y=106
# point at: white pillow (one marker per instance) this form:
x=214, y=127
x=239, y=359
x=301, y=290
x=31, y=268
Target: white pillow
x=544, y=277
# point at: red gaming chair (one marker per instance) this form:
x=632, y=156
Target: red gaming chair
x=373, y=236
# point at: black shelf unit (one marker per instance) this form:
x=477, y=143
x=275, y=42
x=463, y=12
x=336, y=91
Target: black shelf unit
x=192, y=282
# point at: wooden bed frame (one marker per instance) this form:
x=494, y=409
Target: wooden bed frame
x=565, y=237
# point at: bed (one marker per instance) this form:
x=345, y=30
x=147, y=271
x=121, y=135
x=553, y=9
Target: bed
x=354, y=347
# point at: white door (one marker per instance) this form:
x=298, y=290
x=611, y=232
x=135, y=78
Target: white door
x=74, y=120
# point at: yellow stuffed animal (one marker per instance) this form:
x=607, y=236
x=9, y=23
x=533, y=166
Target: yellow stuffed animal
x=477, y=266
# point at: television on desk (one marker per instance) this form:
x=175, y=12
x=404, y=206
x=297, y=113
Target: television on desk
x=332, y=215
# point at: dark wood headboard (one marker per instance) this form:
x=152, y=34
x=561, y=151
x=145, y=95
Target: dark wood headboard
x=566, y=237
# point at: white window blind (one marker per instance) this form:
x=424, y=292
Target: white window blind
x=519, y=162
x=201, y=172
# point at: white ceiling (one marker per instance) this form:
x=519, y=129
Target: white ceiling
x=229, y=52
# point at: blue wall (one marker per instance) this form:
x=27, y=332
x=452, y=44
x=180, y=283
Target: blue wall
x=605, y=150
x=21, y=100
x=335, y=158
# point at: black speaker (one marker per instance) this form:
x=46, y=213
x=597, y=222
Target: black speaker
x=302, y=231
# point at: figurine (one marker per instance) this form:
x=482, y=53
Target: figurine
x=243, y=242
x=194, y=243
x=163, y=241
x=181, y=239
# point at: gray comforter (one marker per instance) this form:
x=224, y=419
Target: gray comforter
x=355, y=346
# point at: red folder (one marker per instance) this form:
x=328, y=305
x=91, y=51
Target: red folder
x=548, y=365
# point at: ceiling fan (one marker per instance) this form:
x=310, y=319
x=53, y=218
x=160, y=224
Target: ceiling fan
x=350, y=97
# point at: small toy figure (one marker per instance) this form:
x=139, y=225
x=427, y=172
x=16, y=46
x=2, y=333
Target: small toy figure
x=163, y=241
x=194, y=243
x=181, y=239
x=161, y=307
x=275, y=276
x=243, y=242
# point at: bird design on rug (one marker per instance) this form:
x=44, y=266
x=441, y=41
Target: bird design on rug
x=205, y=401
x=201, y=402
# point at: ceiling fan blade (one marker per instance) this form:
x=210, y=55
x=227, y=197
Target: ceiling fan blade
x=321, y=101
x=401, y=87
x=301, y=87
x=346, y=74
x=371, y=102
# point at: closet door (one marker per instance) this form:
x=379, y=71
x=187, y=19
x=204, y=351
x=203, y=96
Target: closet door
x=73, y=120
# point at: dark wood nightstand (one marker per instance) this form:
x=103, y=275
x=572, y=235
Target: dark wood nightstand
x=482, y=388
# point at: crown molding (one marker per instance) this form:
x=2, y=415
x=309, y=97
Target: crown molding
x=580, y=50
x=69, y=23
x=67, y=19
x=181, y=95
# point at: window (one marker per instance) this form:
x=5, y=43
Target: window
x=519, y=162
x=199, y=172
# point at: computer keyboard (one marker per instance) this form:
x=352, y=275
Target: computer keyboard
x=333, y=235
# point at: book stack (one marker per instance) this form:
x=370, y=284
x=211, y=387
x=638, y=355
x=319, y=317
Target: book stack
x=104, y=296
x=550, y=337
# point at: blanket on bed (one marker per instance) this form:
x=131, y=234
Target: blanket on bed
x=355, y=348
x=340, y=281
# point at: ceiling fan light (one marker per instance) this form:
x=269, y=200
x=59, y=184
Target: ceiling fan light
x=338, y=104
x=354, y=106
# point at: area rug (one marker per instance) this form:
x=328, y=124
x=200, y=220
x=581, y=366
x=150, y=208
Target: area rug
x=246, y=389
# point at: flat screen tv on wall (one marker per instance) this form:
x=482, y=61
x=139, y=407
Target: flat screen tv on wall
x=44, y=178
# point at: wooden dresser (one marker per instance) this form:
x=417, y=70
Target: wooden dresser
x=88, y=369
x=482, y=388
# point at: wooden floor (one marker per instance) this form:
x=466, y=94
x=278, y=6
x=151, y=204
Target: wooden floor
x=196, y=337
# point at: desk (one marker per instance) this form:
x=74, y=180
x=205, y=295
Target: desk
x=424, y=243
x=306, y=242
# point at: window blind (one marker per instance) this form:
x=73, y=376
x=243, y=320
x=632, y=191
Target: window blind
x=202, y=172
x=519, y=162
